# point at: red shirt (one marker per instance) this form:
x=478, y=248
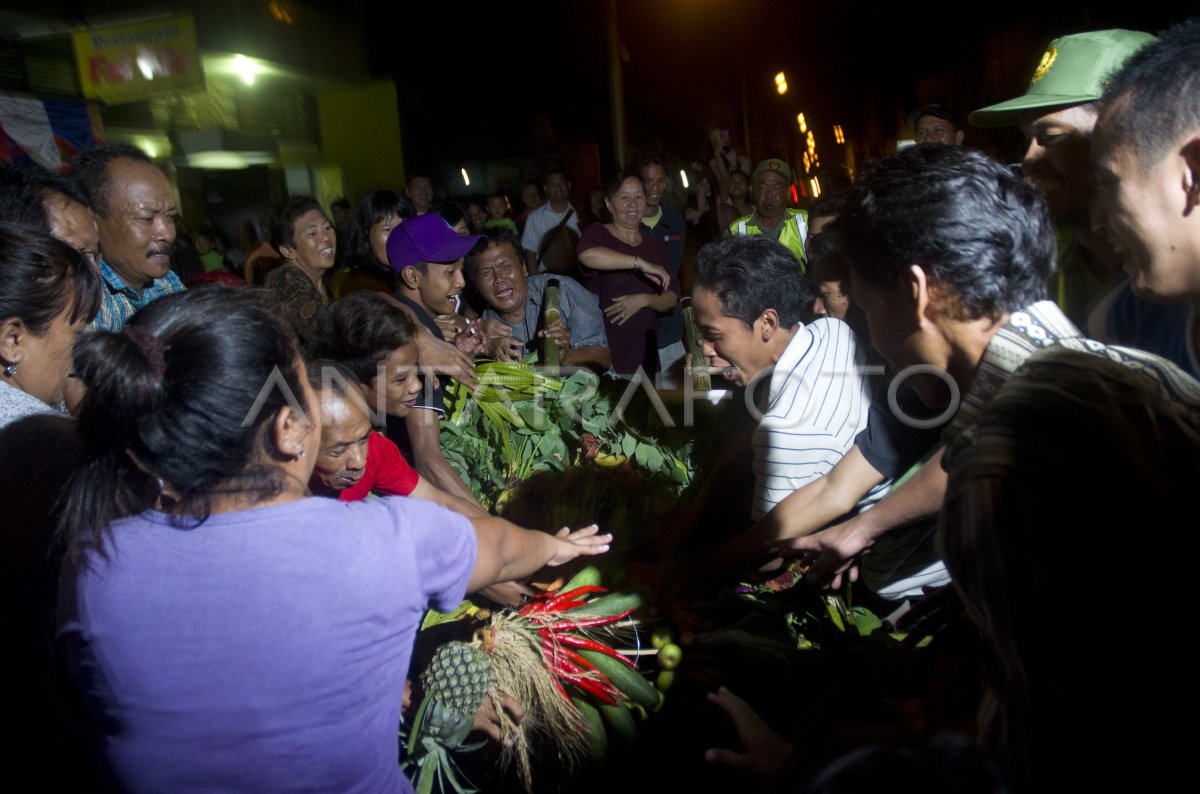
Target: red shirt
x=387, y=472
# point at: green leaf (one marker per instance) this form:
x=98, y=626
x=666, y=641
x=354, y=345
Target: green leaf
x=642, y=454
x=865, y=621
x=628, y=445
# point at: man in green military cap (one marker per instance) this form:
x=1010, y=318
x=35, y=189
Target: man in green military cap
x=772, y=217
x=1057, y=114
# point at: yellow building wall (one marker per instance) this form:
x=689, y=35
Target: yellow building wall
x=360, y=131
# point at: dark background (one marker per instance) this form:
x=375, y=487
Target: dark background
x=506, y=79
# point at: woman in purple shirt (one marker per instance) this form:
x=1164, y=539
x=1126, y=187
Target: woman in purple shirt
x=231, y=632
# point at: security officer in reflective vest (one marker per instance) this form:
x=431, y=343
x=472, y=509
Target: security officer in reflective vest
x=771, y=216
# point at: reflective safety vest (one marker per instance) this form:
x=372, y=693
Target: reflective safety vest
x=793, y=234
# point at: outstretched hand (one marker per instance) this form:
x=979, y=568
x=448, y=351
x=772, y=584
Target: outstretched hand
x=832, y=553
x=581, y=542
x=471, y=344
x=766, y=753
x=443, y=357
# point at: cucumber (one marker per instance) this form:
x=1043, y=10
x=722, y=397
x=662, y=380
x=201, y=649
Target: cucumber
x=587, y=577
x=624, y=678
x=593, y=730
x=611, y=604
x=621, y=721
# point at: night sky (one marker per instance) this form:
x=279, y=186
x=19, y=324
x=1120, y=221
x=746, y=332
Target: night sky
x=474, y=79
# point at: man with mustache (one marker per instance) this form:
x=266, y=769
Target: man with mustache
x=135, y=213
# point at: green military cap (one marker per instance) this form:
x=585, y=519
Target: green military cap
x=773, y=164
x=1073, y=70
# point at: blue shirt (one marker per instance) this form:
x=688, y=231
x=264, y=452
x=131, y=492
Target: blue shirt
x=669, y=228
x=119, y=301
x=1165, y=330
x=580, y=311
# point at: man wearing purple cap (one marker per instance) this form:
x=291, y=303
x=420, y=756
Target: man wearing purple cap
x=428, y=258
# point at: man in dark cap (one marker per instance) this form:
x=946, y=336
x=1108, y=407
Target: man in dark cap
x=936, y=122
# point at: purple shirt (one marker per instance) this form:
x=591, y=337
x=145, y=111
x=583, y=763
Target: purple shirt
x=265, y=650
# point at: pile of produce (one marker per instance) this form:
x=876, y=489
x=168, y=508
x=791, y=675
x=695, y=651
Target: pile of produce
x=568, y=656
x=520, y=421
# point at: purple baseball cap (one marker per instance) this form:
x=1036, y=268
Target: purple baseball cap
x=427, y=238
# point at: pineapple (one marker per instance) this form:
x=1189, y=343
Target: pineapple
x=456, y=682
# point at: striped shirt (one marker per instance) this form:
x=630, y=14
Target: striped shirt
x=816, y=404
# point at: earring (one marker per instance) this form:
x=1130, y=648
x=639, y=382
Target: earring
x=300, y=454
x=10, y=370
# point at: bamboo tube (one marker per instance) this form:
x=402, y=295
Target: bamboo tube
x=700, y=377
x=550, y=313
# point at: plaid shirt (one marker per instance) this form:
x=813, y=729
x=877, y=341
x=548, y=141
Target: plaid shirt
x=119, y=302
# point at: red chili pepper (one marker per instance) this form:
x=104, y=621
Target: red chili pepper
x=556, y=603
x=568, y=625
x=588, y=672
x=559, y=687
x=579, y=661
x=592, y=645
x=594, y=687
x=552, y=654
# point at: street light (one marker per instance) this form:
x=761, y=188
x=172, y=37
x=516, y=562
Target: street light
x=803, y=124
x=245, y=68
x=781, y=83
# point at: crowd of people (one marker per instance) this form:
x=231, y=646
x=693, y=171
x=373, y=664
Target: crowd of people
x=950, y=389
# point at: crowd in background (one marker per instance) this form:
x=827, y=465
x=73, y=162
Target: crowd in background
x=200, y=593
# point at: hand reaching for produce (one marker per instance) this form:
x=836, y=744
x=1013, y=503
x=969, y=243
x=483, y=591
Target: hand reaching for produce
x=494, y=329
x=832, y=554
x=625, y=306
x=766, y=752
x=586, y=541
x=505, y=349
x=507, y=593
x=470, y=341
x=452, y=325
x=444, y=357
x=487, y=719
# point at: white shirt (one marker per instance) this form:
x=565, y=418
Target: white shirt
x=542, y=220
x=817, y=403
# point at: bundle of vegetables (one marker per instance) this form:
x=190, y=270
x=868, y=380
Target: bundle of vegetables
x=557, y=656
x=520, y=421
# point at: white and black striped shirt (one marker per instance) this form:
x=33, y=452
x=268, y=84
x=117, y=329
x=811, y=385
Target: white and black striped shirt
x=816, y=404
